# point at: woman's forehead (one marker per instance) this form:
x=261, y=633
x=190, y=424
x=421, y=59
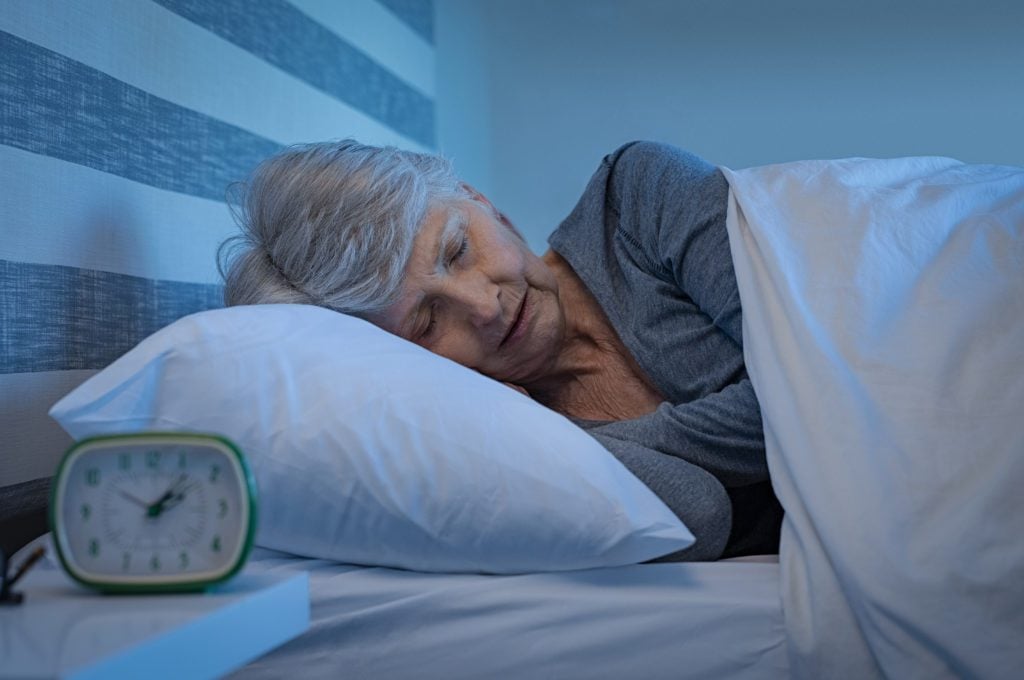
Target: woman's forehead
x=441, y=224
x=427, y=259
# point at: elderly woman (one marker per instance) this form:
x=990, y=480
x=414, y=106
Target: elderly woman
x=630, y=324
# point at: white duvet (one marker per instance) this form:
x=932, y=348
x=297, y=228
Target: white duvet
x=883, y=310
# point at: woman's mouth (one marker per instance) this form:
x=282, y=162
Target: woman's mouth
x=518, y=328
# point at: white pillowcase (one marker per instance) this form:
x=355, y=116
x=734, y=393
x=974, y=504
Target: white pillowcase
x=371, y=450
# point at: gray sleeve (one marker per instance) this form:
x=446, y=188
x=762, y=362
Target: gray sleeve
x=721, y=433
x=652, y=222
x=671, y=208
x=694, y=495
x=673, y=205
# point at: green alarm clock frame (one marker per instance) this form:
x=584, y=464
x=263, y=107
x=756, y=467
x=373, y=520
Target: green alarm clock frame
x=153, y=512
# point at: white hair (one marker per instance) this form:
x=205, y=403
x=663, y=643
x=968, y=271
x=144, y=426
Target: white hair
x=332, y=224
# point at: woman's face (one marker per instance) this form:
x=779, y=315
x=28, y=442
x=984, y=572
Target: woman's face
x=474, y=292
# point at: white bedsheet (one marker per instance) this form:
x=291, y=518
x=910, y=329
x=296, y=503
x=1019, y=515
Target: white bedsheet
x=671, y=621
x=883, y=310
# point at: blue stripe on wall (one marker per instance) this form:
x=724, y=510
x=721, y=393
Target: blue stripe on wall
x=417, y=14
x=54, y=106
x=55, y=318
x=285, y=37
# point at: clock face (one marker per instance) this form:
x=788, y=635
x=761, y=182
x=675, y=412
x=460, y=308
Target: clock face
x=159, y=510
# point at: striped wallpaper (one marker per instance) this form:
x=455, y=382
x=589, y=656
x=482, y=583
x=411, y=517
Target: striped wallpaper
x=122, y=122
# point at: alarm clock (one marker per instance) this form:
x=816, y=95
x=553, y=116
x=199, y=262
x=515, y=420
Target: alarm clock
x=153, y=512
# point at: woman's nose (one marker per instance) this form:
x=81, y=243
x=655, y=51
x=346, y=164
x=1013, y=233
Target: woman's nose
x=479, y=300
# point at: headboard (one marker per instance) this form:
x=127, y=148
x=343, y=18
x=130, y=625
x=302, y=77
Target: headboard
x=123, y=123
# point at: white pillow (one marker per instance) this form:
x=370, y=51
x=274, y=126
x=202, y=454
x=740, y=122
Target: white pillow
x=371, y=450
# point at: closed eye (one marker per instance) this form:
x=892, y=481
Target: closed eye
x=455, y=238
x=431, y=326
x=429, y=330
x=461, y=251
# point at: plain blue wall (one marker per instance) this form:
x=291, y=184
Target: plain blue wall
x=531, y=93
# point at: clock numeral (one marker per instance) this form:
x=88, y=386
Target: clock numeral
x=154, y=563
x=215, y=545
x=183, y=559
x=92, y=476
x=222, y=507
x=124, y=461
x=126, y=561
x=94, y=548
x=181, y=460
x=214, y=473
x=86, y=511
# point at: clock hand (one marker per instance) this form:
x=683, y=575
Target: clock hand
x=179, y=496
x=157, y=506
x=133, y=499
x=171, y=497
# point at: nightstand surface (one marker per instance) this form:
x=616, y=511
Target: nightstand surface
x=63, y=630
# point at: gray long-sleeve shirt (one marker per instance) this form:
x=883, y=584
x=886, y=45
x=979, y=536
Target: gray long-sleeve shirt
x=648, y=239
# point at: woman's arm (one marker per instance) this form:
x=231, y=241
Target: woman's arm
x=648, y=239
x=694, y=495
x=669, y=208
x=721, y=433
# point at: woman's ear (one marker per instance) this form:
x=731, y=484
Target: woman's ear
x=480, y=198
x=476, y=195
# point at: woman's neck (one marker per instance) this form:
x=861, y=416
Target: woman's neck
x=592, y=362
x=586, y=334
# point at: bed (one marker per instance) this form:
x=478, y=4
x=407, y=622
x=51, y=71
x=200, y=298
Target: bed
x=884, y=333
x=655, y=620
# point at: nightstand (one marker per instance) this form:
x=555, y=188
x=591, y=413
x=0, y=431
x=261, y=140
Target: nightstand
x=63, y=630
